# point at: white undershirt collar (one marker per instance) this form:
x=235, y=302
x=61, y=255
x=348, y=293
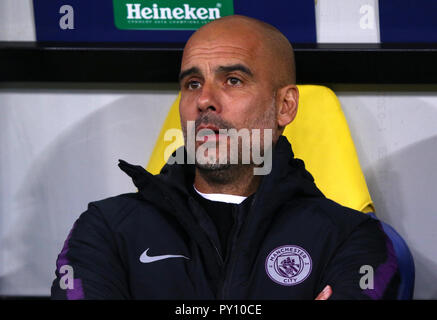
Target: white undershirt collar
x=221, y=197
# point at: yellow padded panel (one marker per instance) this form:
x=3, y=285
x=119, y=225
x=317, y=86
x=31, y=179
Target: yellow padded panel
x=319, y=135
x=157, y=158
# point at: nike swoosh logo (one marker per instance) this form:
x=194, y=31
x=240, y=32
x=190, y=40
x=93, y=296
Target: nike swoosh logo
x=145, y=258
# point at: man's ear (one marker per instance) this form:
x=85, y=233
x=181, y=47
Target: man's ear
x=288, y=100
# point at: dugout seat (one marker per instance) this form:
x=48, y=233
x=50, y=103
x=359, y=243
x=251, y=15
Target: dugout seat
x=320, y=136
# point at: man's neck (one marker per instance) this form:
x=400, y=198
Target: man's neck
x=242, y=182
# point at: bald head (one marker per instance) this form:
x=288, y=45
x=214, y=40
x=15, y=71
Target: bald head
x=264, y=40
x=238, y=72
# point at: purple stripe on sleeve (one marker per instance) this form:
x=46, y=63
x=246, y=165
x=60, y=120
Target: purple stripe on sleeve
x=384, y=273
x=76, y=293
x=62, y=257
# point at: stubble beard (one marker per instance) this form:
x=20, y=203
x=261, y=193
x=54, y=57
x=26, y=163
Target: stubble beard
x=216, y=172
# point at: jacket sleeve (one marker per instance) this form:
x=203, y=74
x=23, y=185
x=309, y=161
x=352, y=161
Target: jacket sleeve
x=89, y=266
x=364, y=266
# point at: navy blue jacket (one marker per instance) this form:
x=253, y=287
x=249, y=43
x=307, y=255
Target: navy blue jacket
x=289, y=242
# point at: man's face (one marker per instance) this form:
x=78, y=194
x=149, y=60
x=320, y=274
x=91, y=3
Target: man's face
x=226, y=84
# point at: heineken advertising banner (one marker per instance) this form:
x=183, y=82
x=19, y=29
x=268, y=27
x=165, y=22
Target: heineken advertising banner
x=162, y=20
x=168, y=14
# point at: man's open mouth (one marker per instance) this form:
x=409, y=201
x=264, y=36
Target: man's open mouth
x=208, y=132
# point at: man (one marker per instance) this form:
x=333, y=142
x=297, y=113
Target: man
x=215, y=229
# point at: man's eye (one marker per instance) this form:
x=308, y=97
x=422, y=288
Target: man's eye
x=192, y=85
x=233, y=81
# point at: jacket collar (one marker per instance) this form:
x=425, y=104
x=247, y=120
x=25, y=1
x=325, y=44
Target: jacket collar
x=287, y=179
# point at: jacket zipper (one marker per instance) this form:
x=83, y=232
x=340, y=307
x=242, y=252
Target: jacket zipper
x=220, y=257
x=230, y=257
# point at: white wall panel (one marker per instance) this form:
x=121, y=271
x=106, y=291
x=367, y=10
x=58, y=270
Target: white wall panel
x=395, y=133
x=16, y=20
x=59, y=150
x=351, y=21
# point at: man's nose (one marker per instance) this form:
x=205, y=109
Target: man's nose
x=208, y=99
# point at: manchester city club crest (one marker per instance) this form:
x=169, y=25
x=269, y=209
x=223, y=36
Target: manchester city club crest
x=288, y=265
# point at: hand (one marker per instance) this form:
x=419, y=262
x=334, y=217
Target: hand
x=325, y=294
